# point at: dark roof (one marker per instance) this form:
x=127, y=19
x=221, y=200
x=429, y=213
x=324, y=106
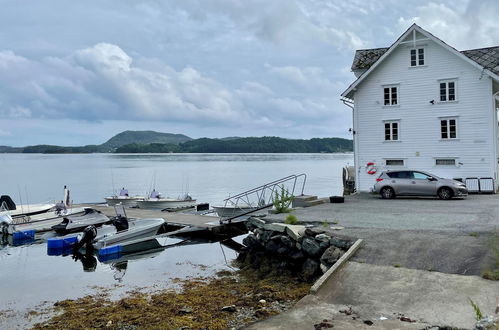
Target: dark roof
x=485, y=57
x=364, y=58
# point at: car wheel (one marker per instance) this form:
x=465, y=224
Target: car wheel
x=387, y=193
x=445, y=193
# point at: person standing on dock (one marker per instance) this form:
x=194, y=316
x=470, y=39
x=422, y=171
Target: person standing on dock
x=66, y=200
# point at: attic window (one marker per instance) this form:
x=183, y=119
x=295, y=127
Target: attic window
x=417, y=57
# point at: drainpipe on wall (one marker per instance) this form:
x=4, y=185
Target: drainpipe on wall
x=350, y=104
x=495, y=97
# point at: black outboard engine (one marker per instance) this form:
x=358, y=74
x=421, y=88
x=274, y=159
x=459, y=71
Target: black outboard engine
x=120, y=223
x=7, y=203
x=89, y=233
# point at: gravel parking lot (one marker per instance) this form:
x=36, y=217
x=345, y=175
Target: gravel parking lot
x=451, y=236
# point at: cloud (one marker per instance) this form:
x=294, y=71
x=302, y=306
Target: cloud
x=103, y=82
x=472, y=26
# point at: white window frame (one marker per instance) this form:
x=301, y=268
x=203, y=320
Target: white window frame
x=446, y=82
x=391, y=135
x=390, y=95
x=448, y=119
x=395, y=159
x=444, y=159
x=417, y=56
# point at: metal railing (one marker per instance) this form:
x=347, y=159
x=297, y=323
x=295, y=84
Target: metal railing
x=260, y=197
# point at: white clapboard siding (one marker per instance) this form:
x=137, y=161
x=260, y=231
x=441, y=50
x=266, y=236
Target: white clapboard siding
x=419, y=131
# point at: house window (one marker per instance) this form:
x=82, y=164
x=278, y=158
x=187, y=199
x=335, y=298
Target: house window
x=390, y=95
x=417, y=57
x=391, y=131
x=445, y=162
x=448, y=128
x=447, y=91
x=394, y=162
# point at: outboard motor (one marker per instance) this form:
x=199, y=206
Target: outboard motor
x=5, y=221
x=120, y=223
x=6, y=203
x=89, y=233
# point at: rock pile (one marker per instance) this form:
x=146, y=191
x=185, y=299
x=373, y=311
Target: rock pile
x=307, y=250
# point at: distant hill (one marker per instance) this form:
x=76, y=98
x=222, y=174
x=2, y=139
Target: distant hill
x=142, y=137
x=7, y=149
x=156, y=142
x=268, y=144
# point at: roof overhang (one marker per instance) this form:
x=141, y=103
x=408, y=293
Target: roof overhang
x=348, y=93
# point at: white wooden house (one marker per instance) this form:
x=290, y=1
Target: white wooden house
x=422, y=104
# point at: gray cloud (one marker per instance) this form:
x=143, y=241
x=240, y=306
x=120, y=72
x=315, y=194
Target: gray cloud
x=201, y=67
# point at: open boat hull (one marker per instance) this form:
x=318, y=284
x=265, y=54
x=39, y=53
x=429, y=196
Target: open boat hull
x=123, y=200
x=108, y=235
x=232, y=211
x=166, y=203
x=43, y=221
x=73, y=224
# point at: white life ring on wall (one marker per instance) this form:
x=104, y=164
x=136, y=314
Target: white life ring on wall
x=371, y=168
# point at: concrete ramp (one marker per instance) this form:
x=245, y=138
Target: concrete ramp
x=375, y=292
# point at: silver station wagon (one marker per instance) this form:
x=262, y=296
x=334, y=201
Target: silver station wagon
x=417, y=183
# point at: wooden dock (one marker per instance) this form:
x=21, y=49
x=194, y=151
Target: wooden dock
x=204, y=223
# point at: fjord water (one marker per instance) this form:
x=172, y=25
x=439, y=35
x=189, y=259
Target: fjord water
x=30, y=279
x=206, y=177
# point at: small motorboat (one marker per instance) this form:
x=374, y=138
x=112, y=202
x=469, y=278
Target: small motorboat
x=7, y=205
x=157, y=202
x=43, y=221
x=137, y=228
x=71, y=224
x=128, y=201
x=233, y=210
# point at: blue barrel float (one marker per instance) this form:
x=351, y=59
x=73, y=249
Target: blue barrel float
x=110, y=253
x=60, y=245
x=23, y=237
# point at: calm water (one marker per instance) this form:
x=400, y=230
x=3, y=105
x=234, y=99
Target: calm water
x=29, y=278
x=207, y=177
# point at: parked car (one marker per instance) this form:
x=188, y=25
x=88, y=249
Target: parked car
x=417, y=183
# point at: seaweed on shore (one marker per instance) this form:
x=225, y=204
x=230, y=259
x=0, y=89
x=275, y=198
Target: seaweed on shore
x=199, y=304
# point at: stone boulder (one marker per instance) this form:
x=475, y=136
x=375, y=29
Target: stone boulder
x=309, y=269
x=331, y=255
x=314, y=231
x=311, y=247
x=251, y=242
x=341, y=243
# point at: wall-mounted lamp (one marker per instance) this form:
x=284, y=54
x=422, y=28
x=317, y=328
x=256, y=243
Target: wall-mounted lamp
x=432, y=101
x=351, y=130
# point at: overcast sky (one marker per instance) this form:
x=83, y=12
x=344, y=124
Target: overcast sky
x=78, y=72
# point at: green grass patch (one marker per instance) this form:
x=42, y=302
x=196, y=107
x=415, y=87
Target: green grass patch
x=291, y=219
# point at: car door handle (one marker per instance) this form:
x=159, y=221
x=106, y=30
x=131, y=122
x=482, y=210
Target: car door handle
x=413, y=182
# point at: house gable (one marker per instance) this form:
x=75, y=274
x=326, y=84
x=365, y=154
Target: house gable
x=366, y=60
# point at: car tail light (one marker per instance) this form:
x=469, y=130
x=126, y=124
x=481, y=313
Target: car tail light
x=379, y=179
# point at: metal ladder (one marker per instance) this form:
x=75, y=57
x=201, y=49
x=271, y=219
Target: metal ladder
x=261, y=197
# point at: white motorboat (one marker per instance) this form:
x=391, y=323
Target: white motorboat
x=43, y=221
x=72, y=224
x=7, y=205
x=110, y=235
x=161, y=203
x=128, y=201
x=229, y=211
